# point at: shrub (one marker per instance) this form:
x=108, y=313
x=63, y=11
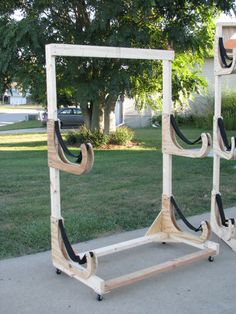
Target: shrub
x=84, y=135
x=229, y=103
x=229, y=109
x=205, y=120
x=122, y=136
x=156, y=121
x=185, y=119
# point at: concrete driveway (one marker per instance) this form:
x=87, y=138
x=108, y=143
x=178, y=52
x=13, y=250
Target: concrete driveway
x=29, y=284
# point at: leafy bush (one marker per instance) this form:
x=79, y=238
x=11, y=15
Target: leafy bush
x=205, y=120
x=185, y=119
x=229, y=109
x=122, y=136
x=156, y=121
x=84, y=135
x=229, y=102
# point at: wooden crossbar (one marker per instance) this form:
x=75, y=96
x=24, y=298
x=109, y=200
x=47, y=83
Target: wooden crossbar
x=118, y=247
x=157, y=269
x=109, y=52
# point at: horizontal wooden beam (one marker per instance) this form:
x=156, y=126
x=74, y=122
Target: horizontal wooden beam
x=109, y=52
x=226, y=23
x=118, y=247
x=157, y=269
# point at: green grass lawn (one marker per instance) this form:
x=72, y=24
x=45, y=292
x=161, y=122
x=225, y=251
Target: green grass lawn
x=122, y=192
x=31, y=124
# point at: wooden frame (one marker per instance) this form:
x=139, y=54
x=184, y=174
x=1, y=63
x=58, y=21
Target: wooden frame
x=163, y=229
x=226, y=233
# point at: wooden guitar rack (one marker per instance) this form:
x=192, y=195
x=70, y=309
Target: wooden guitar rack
x=163, y=229
x=225, y=34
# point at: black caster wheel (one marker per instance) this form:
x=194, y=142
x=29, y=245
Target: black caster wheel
x=163, y=242
x=58, y=271
x=99, y=297
x=211, y=259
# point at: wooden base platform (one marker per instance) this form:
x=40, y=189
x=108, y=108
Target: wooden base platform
x=163, y=229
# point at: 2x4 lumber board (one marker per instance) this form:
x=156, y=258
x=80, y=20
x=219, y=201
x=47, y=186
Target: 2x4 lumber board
x=51, y=85
x=109, y=52
x=157, y=269
x=167, y=108
x=55, y=193
x=118, y=247
x=229, y=23
x=195, y=243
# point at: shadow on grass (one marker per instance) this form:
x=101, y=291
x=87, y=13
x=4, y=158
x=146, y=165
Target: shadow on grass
x=24, y=144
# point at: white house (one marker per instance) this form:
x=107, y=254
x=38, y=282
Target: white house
x=128, y=115
x=14, y=96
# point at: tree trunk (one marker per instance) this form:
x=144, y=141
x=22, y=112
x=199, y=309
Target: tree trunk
x=109, y=114
x=109, y=118
x=97, y=122
x=87, y=114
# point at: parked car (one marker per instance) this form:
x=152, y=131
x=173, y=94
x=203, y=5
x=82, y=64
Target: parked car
x=67, y=116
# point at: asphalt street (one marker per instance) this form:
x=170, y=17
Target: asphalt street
x=9, y=116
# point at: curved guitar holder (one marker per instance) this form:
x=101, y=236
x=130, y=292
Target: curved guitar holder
x=64, y=256
x=223, y=227
x=225, y=51
x=220, y=143
x=57, y=158
x=168, y=225
x=171, y=146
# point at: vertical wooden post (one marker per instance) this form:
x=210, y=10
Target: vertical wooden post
x=167, y=107
x=52, y=114
x=217, y=114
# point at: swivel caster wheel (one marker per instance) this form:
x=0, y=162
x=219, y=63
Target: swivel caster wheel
x=99, y=297
x=211, y=259
x=58, y=271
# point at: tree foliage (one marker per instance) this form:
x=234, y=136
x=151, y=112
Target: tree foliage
x=185, y=26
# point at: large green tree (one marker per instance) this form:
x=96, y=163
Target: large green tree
x=96, y=84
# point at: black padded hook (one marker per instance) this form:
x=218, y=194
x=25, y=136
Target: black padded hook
x=181, y=135
x=75, y=258
x=181, y=215
x=223, y=134
x=219, y=203
x=223, y=54
x=64, y=147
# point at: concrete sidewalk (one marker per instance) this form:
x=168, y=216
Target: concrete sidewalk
x=29, y=284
